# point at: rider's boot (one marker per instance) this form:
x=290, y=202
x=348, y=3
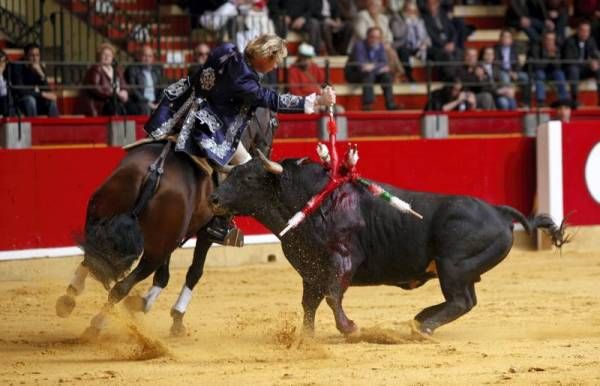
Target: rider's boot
x=222, y=230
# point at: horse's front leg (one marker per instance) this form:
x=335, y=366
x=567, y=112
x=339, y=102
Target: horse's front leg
x=66, y=303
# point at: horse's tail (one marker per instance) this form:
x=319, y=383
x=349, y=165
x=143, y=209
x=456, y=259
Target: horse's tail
x=113, y=244
x=541, y=221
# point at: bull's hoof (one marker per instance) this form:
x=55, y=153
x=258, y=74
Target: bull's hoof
x=177, y=328
x=90, y=334
x=420, y=332
x=135, y=303
x=349, y=329
x=65, y=305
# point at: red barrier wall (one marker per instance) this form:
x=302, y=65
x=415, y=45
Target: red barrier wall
x=43, y=193
x=578, y=139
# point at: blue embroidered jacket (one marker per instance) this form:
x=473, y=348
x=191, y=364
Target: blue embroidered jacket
x=213, y=107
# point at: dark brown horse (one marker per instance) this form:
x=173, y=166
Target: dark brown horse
x=153, y=200
x=127, y=218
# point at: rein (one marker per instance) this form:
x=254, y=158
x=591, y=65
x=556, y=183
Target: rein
x=152, y=179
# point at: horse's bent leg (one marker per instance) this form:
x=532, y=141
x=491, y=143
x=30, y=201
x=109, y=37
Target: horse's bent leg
x=338, y=283
x=137, y=303
x=66, y=303
x=192, y=277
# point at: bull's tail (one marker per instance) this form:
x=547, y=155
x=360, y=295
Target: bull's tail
x=541, y=221
x=112, y=244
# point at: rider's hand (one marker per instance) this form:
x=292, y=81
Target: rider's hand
x=327, y=96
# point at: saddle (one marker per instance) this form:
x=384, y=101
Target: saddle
x=199, y=162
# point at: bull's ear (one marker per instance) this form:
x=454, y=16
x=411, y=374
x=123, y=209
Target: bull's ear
x=270, y=166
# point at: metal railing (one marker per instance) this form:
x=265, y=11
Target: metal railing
x=67, y=78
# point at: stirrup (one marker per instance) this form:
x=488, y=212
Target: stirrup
x=233, y=238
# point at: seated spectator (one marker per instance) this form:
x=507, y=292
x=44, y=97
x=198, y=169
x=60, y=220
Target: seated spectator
x=443, y=40
x=510, y=67
x=442, y=14
x=278, y=15
x=253, y=20
x=373, y=16
x=201, y=52
x=3, y=84
x=475, y=80
x=529, y=16
x=581, y=47
x=336, y=32
x=368, y=64
x=558, y=13
x=588, y=10
x=546, y=65
x=106, y=94
x=563, y=110
x=300, y=19
x=143, y=80
x=305, y=76
x=504, y=94
x=32, y=92
x=451, y=98
x=214, y=15
x=410, y=36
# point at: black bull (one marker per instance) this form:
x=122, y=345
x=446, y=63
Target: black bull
x=358, y=239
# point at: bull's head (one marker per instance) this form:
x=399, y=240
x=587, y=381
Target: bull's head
x=248, y=188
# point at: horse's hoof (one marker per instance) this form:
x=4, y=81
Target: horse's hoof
x=178, y=329
x=135, y=303
x=90, y=334
x=65, y=305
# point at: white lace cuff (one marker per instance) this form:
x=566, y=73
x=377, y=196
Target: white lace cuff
x=310, y=102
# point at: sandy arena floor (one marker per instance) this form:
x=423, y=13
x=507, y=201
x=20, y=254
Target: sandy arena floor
x=537, y=322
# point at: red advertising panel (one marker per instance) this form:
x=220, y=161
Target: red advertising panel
x=581, y=172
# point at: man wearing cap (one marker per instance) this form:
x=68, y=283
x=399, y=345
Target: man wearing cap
x=305, y=76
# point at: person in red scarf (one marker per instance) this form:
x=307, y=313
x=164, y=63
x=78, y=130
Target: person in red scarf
x=305, y=76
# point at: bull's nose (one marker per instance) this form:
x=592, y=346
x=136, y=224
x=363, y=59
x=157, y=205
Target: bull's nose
x=214, y=199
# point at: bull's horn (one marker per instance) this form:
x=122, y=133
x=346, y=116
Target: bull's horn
x=225, y=169
x=270, y=166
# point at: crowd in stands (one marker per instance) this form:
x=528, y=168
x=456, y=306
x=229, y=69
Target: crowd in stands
x=383, y=40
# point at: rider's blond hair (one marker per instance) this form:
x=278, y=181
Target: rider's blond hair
x=267, y=46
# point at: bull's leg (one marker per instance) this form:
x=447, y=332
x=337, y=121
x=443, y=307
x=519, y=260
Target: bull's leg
x=460, y=299
x=66, y=303
x=457, y=277
x=339, y=281
x=312, y=296
x=192, y=277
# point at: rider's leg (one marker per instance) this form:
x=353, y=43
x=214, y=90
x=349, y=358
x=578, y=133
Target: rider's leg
x=220, y=228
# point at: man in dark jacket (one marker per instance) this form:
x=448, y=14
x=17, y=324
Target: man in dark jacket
x=510, y=68
x=301, y=19
x=582, y=49
x=530, y=16
x=143, y=79
x=336, y=32
x=546, y=65
x=368, y=64
x=33, y=95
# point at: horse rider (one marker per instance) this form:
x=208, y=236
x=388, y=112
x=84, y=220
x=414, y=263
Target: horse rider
x=212, y=108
